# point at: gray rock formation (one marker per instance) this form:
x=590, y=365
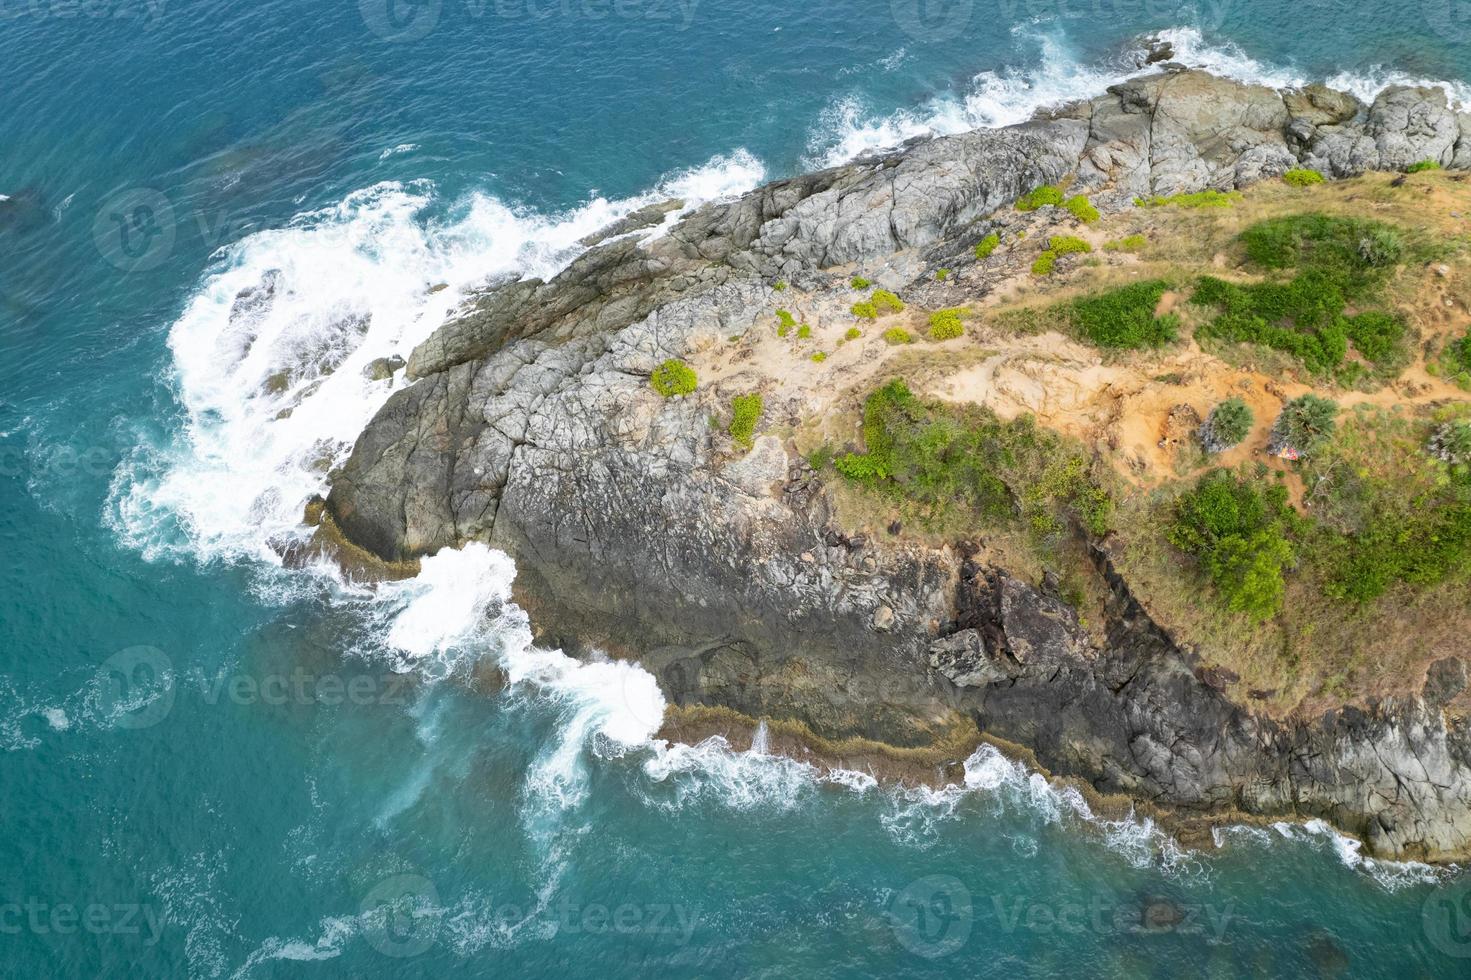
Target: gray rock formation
x=532, y=426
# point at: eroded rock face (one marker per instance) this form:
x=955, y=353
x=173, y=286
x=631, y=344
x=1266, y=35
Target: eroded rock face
x=532, y=427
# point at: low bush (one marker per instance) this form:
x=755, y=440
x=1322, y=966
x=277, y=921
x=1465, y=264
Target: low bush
x=987, y=245
x=674, y=377
x=942, y=274
x=1451, y=443
x=1228, y=424
x=1082, y=209
x=1039, y=197
x=853, y=334
x=1042, y=265
x=785, y=318
x=865, y=310
x=1068, y=245
x=886, y=302
x=745, y=412
x=1302, y=177
x=1129, y=243
x=1238, y=532
x=858, y=282
x=897, y=335
x=780, y=285
x=803, y=332
x=1304, y=424
x=1422, y=166
x=819, y=357
x=946, y=325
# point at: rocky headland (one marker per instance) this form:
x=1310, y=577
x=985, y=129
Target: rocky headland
x=757, y=582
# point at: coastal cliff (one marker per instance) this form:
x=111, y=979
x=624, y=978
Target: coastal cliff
x=746, y=577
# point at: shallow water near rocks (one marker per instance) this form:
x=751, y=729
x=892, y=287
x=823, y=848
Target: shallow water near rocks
x=212, y=766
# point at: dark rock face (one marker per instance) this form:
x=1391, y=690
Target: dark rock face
x=531, y=426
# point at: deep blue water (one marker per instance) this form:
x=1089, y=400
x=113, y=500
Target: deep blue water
x=213, y=767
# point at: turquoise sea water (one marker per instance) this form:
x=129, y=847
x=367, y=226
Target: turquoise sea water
x=210, y=766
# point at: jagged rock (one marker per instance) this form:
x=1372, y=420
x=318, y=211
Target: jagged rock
x=532, y=426
x=645, y=217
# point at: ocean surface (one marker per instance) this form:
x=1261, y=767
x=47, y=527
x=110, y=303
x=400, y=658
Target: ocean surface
x=211, y=766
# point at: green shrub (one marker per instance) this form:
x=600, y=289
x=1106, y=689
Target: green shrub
x=803, y=332
x=946, y=325
x=940, y=457
x=853, y=334
x=1422, y=548
x=987, y=245
x=1043, y=264
x=1129, y=243
x=897, y=335
x=865, y=310
x=1068, y=245
x=674, y=377
x=1304, y=424
x=858, y=282
x=1082, y=209
x=745, y=412
x=780, y=285
x=1237, y=531
x=1455, y=357
x=942, y=274
x=1200, y=199
x=819, y=357
x=1040, y=197
x=785, y=318
x=886, y=302
x=1124, y=317
x=1302, y=177
x=1422, y=166
x=1228, y=424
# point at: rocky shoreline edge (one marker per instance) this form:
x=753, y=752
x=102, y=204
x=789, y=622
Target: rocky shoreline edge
x=530, y=426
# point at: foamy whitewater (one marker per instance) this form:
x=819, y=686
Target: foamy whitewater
x=276, y=387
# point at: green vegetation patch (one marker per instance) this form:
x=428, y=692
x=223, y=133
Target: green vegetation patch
x=819, y=357
x=946, y=325
x=1422, y=166
x=1302, y=177
x=1228, y=424
x=1125, y=317
x=897, y=335
x=1200, y=199
x=938, y=457
x=942, y=274
x=1238, y=532
x=1082, y=209
x=853, y=334
x=674, y=377
x=987, y=245
x=1039, y=197
x=864, y=310
x=1339, y=261
x=858, y=282
x=1129, y=243
x=886, y=302
x=745, y=412
x=1043, y=264
x=803, y=332
x=1068, y=245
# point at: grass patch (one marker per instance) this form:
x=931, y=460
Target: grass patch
x=897, y=335
x=1068, y=245
x=1422, y=166
x=942, y=274
x=1124, y=318
x=937, y=458
x=1042, y=265
x=1199, y=199
x=987, y=245
x=1129, y=243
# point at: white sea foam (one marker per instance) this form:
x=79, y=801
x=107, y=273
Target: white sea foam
x=1013, y=94
x=1392, y=875
x=398, y=150
x=276, y=393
